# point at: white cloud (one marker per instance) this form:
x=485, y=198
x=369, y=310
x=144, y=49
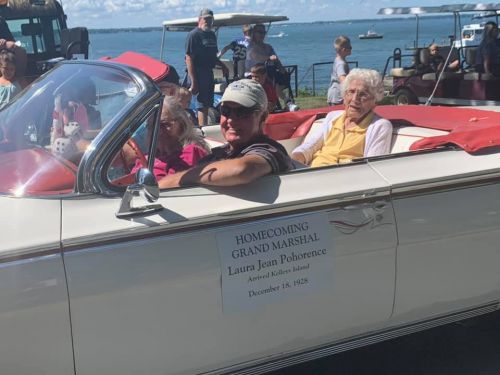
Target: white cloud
x=135, y=13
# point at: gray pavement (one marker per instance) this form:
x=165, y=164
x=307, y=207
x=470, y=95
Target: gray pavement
x=468, y=348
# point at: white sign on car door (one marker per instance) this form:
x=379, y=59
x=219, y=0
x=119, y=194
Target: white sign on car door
x=262, y=263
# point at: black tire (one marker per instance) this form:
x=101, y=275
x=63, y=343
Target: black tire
x=405, y=97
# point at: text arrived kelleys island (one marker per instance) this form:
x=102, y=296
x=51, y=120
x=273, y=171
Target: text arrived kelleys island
x=265, y=262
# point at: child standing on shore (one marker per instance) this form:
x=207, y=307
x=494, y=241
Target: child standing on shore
x=340, y=69
x=9, y=86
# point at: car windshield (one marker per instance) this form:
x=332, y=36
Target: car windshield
x=46, y=130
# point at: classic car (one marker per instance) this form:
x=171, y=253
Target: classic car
x=101, y=273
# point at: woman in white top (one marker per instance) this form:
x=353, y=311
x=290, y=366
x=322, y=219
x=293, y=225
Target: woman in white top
x=354, y=132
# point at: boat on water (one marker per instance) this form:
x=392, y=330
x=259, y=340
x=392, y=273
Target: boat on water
x=470, y=36
x=281, y=34
x=370, y=34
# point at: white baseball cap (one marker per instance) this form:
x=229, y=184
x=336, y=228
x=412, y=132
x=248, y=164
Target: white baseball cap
x=247, y=93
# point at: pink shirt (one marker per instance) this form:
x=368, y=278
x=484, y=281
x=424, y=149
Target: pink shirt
x=77, y=112
x=177, y=162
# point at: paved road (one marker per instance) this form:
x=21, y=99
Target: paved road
x=469, y=348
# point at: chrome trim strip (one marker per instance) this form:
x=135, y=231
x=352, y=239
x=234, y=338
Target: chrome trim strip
x=445, y=185
x=355, y=342
x=223, y=219
x=267, y=212
x=29, y=253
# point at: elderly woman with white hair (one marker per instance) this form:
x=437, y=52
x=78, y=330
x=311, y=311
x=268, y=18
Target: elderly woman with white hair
x=178, y=147
x=354, y=132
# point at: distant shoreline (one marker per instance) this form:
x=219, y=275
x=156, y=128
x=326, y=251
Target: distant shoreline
x=371, y=20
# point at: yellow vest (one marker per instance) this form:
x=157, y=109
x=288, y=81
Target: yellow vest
x=342, y=145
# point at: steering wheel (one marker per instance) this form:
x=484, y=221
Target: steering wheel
x=138, y=152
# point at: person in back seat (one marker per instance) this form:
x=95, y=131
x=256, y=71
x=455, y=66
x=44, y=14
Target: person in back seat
x=353, y=133
x=178, y=146
x=488, y=54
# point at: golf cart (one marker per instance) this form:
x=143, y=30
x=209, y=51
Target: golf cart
x=411, y=84
x=222, y=20
x=40, y=28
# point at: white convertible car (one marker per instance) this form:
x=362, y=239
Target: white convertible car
x=102, y=274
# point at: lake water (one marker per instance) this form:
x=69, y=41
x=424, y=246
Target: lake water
x=300, y=44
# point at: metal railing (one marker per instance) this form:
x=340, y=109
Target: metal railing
x=355, y=63
x=293, y=71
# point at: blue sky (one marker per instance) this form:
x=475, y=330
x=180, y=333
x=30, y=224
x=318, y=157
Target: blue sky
x=141, y=13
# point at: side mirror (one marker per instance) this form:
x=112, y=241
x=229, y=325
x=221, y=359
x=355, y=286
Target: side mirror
x=145, y=188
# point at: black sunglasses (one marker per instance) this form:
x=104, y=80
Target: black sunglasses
x=238, y=112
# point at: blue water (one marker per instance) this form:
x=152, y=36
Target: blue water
x=302, y=44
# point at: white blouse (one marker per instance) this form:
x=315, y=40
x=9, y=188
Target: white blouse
x=377, y=142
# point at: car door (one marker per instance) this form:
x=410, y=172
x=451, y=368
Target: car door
x=34, y=310
x=224, y=278
x=448, y=218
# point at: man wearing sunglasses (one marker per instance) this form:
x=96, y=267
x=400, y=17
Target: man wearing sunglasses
x=248, y=153
x=201, y=58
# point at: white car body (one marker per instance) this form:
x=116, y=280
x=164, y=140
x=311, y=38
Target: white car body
x=411, y=243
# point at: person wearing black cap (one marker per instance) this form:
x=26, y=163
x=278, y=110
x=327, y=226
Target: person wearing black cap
x=201, y=58
x=248, y=153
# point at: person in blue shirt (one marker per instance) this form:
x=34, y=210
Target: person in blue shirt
x=239, y=47
x=9, y=85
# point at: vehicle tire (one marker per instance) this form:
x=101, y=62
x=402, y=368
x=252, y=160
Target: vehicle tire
x=405, y=97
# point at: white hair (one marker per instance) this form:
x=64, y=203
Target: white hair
x=371, y=78
x=178, y=113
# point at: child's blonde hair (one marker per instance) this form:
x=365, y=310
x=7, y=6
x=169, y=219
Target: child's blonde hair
x=341, y=41
x=184, y=93
x=168, y=88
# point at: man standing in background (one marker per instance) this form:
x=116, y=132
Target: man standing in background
x=201, y=58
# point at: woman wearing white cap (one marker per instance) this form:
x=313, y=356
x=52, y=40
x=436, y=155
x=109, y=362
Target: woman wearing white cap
x=248, y=153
